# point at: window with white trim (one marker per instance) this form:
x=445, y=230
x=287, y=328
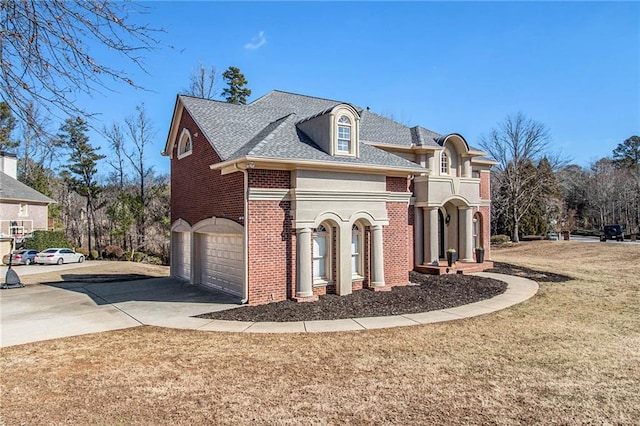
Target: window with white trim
x=185, y=146
x=320, y=254
x=344, y=135
x=444, y=163
x=356, y=251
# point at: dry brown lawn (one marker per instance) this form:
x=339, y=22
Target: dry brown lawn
x=570, y=355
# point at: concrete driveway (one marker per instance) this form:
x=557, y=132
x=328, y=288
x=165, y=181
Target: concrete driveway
x=41, y=312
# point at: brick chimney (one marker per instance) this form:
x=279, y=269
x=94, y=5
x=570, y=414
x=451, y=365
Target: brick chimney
x=9, y=164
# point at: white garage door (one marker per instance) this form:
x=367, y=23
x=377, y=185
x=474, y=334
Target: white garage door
x=181, y=266
x=221, y=261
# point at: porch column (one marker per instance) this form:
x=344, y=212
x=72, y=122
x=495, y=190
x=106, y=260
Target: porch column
x=466, y=233
x=431, y=251
x=304, y=286
x=418, y=236
x=377, y=257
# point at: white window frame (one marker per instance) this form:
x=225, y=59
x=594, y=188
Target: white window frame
x=321, y=232
x=344, y=124
x=356, y=256
x=185, y=144
x=445, y=164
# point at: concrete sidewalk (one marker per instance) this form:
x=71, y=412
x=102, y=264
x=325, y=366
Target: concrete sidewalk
x=43, y=312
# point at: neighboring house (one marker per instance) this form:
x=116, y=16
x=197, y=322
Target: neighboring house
x=294, y=196
x=22, y=209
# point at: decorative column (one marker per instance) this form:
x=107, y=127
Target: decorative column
x=430, y=234
x=304, y=288
x=418, y=236
x=465, y=228
x=377, y=257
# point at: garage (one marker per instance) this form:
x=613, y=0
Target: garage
x=219, y=259
x=181, y=262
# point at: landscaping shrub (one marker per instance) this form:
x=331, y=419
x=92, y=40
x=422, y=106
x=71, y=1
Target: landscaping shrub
x=138, y=256
x=153, y=260
x=113, y=252
x=126, y=255
x=94, y=255
x=43, y=240
x=82, y=251
x=500, y=239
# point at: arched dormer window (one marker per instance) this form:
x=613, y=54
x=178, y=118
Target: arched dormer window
x=344, y=135
x=185, y=145
x=444, y=163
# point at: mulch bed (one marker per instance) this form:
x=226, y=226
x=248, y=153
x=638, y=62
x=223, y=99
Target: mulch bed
x=532, y=274
x=429, y=294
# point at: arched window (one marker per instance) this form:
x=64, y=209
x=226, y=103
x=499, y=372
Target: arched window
x=185, y=145
x=356, y=250
x=444, y=163
x=320, y=254
x=344, y=135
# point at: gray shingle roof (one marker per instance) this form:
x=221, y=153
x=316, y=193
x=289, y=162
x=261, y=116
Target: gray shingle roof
x=266, y=128
x=12, y=189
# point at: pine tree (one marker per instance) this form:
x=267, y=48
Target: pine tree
x=82, y=166
x=236, y=93
x=7, y=124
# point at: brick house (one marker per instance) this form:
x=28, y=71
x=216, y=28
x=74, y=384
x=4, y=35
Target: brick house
x=294, y=196
x=22, y=209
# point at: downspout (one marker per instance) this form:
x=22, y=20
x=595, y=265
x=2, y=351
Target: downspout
x=246, y=232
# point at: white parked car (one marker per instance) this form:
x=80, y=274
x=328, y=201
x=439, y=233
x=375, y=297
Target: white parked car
x=58, y=256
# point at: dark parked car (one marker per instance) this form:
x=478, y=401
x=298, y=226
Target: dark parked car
x=20, y=257
x=612, y=232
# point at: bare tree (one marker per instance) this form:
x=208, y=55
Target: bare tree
x=45, y=55
x=115, y=136
x=141, y=134
x=203, y=82
x=516, y=144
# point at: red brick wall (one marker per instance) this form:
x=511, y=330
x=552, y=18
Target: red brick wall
x=398, y=257
x=272, y=242
x=197, y=192
x=485, y=184
x=272, y=252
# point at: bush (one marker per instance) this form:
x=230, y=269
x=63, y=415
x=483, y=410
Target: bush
x=138, y=256
x=500, y=239
x=153, y=260
x=43, y=240
x=126, y=255
x=113, y=252
x=532, y=238
x=94, y=255
x=82, y=251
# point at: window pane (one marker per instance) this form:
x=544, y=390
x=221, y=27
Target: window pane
x=355, y=244
x=319, y=246
x=319, y=268
x=354, y=264
x=344, y=132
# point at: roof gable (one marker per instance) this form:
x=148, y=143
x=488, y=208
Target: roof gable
x=14, y=190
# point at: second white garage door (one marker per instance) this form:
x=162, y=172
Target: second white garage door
x=221, y=261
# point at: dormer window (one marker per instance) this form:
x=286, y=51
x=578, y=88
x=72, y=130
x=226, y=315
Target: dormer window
x=185, y=145
x=444, y=163
x=344, y=135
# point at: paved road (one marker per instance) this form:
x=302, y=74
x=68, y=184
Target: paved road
x=23, y=270
x=582, y=239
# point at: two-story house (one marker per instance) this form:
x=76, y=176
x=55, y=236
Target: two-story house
x=295, y=196
x=22, y=209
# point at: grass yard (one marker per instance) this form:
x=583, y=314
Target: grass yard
x=570, y=355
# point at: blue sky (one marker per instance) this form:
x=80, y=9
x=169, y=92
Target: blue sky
x=451, y=67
